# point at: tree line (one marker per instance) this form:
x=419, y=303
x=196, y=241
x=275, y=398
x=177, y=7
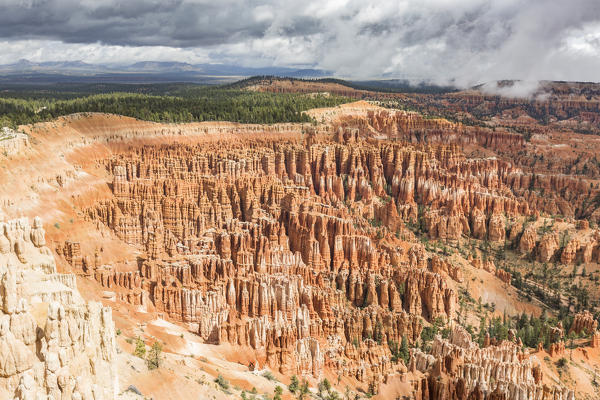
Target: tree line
x=193, y=105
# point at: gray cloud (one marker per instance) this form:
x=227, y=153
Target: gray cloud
x=463, y=41
x=177, y=23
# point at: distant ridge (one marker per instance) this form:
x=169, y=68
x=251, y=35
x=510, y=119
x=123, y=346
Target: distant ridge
x=384, y=85
x=24, y=71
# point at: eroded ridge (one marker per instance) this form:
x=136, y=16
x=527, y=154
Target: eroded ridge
x=459, y=369
x=300, y=251
x=52, y=344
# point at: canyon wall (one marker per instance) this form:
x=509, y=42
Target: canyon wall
x=317, y=250
x=293, y=249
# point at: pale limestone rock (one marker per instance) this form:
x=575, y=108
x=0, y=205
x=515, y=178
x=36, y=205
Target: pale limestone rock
x=498, y=368
x=4, y=242
x=74, y=357
x=22, y=324
x=15, y=357
x=38, y=235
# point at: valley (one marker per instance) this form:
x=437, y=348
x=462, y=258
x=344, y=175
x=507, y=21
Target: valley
x=387, y=252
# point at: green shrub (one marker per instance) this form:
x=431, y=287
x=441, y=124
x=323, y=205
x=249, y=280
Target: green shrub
x=153, y=360
x=222, y=382
x=561, y=363
x=294, y=384
x=140, y=348
x=269, y=375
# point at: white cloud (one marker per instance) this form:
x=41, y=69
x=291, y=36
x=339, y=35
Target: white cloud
x=465, y=42
x=95, y=53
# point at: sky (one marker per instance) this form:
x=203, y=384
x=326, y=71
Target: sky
x=444, y=41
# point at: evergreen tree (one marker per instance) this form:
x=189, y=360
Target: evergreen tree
x=140, y=348
x=404, y=350
x=303, y=390
x=294, y=384
x=278, y=393
x=482, y=331
x=153, y=360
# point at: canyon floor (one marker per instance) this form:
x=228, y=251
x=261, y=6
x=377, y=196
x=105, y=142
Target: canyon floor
x=395, y=255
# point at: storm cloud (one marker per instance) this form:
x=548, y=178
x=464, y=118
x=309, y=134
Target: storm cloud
x=464, y=42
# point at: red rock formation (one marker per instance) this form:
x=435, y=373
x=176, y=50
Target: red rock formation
x=458, y=369
x=413, y=127
x=528, y=240
x=295, y=250
x=557, y=349
x=547, y=247
x=246, y=247
x=569, y=252
x=443, y=266
x=584, y=322
x=503, y=275
x=595, y=340
x=487, y=265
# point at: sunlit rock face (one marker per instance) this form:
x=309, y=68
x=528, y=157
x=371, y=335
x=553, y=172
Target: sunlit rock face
x=278, y=245
x=459, y=369
x=52, y=343
x=315, y=252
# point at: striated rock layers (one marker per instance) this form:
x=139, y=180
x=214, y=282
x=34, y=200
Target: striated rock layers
x=253, y=245
x=52, y=344
x=413, y=127
x=294, y=250
x=584, y=322
x=458, y=369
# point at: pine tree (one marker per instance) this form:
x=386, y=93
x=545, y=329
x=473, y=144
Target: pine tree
x=294, y=384
x=404, y=350
x=324, y=386
x=278, y=393
x=303, y=390
x=153, y=360
x=140, y=348
x=482, y=331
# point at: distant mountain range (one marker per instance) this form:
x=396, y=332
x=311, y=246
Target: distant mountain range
x=25, y=71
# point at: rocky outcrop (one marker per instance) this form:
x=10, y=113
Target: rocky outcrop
x=504, y=276
x=439, y=266
x=557, y=349
x=69, y=354
x=298, y=250
x=413, y=127
x=485, y=264
x=497, y=230
x=528, y=240
x=584, y=322
x=547, y=247
x=250, y=243
x=12, y=142
x=595, y=340
x=457, y=368
x=393, y=183
x=569, y=252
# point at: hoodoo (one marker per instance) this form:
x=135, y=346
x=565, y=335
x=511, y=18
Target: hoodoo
x=371, y=252
x=53, y=344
